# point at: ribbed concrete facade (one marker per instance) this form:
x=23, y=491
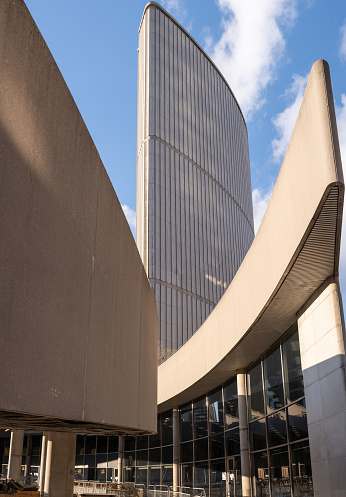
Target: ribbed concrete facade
x=194, y=205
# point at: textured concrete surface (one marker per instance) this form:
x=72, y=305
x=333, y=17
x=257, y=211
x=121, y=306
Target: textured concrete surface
x=78, y=318
x=322, y=348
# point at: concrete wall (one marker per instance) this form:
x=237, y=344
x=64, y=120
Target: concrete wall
x=78, y=318
x=194, y=200
x=322, y=347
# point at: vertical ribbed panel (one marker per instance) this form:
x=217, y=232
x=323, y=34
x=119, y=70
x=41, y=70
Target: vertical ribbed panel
x=194, y=203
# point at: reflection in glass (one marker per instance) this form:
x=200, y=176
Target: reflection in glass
x=255, y=392
x=167, y=454
x=129, y=474
x=80, y=444
x=217, y=479
x=215, y=410
x=200, y=418
x=142, y=442
x=101, y=475
x=216, y=446
x=234, y=475
x=202, y=476
x=273, y=386
x=102, y=444
x=301, y=470
x=167, y=428
x=155, y=440
x=231, y=404
x=186, y=423
x=141, y=475
x=292, y=368
x=277, y=429
x=186, y=452
x=201, y=449
x=90, y=444
x=113, y=443
x=232, y=442
x=129, y=443
x=155, y=475
x=129, y=458
x=297, y=422
x=186, y=475
x=167, y=475
x=280, y=473
x=260, y=474
x=257, y=432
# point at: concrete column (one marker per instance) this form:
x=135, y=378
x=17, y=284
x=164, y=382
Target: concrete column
x=120, y=458
x=15, y=454
x=243, y=434
x=60, y=464
x=43, y=463
x=176, y=449
x=322, y=347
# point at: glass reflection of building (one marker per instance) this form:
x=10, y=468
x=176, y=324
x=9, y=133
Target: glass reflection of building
x=209, y=438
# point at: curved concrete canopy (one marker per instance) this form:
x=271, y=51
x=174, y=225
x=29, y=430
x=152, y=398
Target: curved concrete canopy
x=295, y=250
x=78, y=318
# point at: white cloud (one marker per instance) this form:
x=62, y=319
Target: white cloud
x=260, y=199
x=251, y=46
x=284, y=121
x=341, y=119
x=130, y=215
x=176, y=8
x=342, y=50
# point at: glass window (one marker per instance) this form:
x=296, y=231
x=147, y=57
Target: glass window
x=255, y=392
x=301, y=470
x=142, y=442
x=129, y=458
x=101, y=460
x=260, y=474
x=257, y=432
x=297, y=422
x=112, y=456
x=186, y=475
x=200, y=418
x=90, y=444
x=129, y=443
x=155, y=475
x=292, y=368
x=186, y=452
x=273, y=381
x=217, y=479
x=167, y=428
x=232, y=442
x=167, y=454
x=141, y=475
x=113, y=442
x=215, y=409
x=277, y=429
x=142, y=457
x=154, y=456
x=280, y=473
x=90, y=473
x=202, y=476
x=167, y=475
x=101, y=475
x=231, y=404
x=216, y=444
x=186, y=423
x=36, y=442
x=201, y=449
x=129, y=474
x=79, y=460
x=102, y=444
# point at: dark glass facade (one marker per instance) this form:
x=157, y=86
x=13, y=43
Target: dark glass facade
x=209, y=438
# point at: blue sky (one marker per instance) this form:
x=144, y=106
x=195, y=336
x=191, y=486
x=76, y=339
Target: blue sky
x=265, y=49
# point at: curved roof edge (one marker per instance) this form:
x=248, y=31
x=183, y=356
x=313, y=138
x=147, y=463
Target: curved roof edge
x=296, y=248
x=164, y=11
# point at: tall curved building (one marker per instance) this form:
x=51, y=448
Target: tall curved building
x=194, y=204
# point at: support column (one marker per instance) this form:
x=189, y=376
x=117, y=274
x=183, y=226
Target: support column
x=15, y=455
x=43, y=463
x=243, y=434
x=176, y=449
x=120, y=458
x=60, y=464
x=28, y=460
x=322, y=347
